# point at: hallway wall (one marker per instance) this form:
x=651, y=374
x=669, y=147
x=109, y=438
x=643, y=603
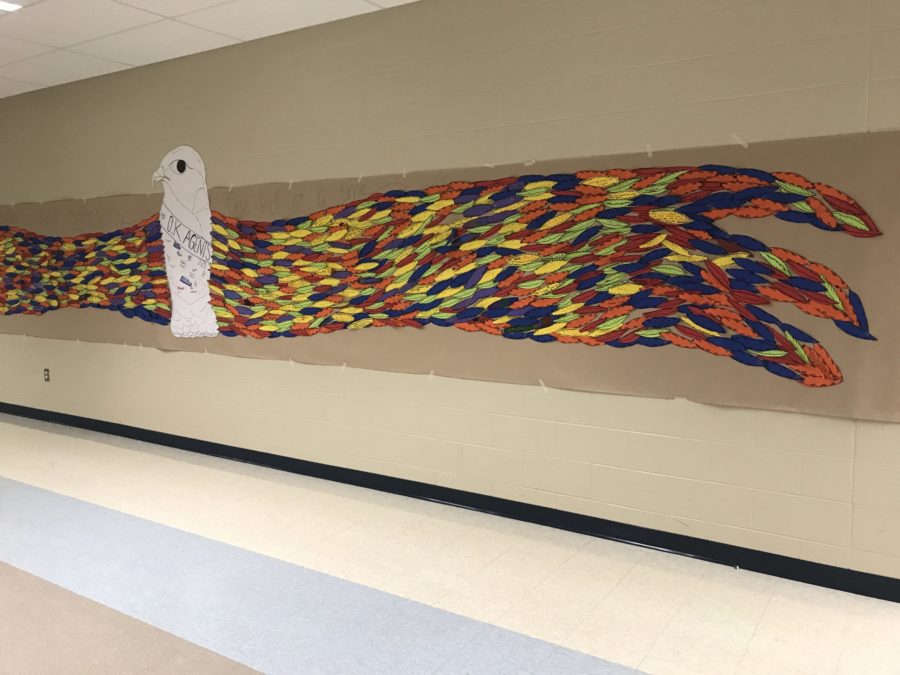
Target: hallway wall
x=447, y=83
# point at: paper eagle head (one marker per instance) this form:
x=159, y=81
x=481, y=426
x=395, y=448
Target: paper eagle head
x=183, y=177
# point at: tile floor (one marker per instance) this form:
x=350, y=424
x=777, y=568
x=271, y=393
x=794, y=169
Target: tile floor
x=524, y=598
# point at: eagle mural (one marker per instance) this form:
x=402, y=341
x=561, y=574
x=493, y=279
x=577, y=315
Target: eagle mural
x=613, y=258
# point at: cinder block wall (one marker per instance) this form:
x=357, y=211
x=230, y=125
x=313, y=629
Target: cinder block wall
x=443, y=83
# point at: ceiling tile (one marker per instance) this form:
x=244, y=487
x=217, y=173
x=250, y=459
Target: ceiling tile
x=250, y=19
x=57, y=67
x=104, y=36
x=16, y=50
x=172, y=7
x=11, y=87
x=24, y=3
x=391, y=3
x=61, y=23
x=154, y=42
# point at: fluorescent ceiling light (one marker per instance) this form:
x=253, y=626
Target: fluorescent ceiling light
x=9, y=6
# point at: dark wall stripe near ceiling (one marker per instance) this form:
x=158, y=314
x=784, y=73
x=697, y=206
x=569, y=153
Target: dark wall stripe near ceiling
x=828, y=576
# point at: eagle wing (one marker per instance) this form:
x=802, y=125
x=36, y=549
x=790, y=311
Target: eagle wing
x=617, y=258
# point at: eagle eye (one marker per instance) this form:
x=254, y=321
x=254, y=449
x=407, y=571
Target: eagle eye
x=181, y=166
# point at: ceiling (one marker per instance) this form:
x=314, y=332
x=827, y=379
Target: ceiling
x=50, y=42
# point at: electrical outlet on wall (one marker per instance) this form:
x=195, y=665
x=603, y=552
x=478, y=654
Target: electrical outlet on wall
x=46, y=374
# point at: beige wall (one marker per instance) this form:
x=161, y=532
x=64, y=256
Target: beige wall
x=465, y=82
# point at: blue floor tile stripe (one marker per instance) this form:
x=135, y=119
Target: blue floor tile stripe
x=262, y=612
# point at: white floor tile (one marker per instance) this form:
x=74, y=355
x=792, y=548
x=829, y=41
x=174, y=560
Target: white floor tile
x=642, y=608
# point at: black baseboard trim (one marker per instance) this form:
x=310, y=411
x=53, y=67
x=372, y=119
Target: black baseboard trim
x=828, y=576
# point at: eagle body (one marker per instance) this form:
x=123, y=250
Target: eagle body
x=615, y=258
x=185, y=226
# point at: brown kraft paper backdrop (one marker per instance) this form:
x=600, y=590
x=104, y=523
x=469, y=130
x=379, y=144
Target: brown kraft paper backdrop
x=865, y=166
